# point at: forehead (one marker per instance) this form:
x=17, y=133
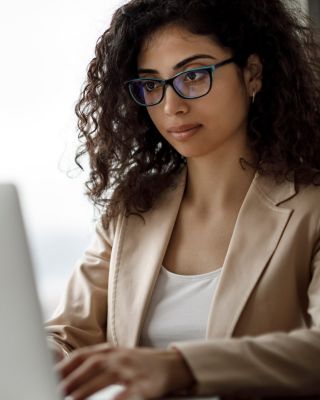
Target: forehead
x=172, y=44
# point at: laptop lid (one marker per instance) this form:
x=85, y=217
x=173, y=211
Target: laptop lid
x=26, y=369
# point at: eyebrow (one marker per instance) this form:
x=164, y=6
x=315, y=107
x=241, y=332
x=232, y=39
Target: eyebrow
x=177, y=66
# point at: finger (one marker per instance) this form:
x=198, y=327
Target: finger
x=90, y=387
x=66, y=367
x=89, y=373
x=93, y=366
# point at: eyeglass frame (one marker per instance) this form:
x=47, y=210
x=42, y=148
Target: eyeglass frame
x=166, y=82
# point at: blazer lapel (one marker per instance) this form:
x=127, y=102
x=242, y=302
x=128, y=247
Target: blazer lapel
x=140, y=252
x=257, y=231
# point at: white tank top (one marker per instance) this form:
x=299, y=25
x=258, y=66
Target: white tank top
x=179, y=308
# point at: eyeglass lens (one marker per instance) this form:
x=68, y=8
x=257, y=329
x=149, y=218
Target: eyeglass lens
x=190, y=84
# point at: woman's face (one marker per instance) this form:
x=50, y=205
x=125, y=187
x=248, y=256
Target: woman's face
x=202, y=126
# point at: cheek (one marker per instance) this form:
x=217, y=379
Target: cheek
x=229, y=106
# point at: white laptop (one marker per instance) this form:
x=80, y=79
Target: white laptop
x=26, y=370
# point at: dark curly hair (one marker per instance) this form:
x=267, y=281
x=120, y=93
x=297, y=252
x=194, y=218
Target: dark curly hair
x=132, y=164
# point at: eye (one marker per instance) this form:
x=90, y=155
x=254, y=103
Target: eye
x=193, y=76
x=150, y=86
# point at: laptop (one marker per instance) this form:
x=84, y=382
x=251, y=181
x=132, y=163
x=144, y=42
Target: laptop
x=26, y=366
x=26, y=369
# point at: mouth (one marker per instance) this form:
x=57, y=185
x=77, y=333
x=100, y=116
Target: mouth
x=183, y=131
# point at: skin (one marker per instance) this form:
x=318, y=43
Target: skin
x=146, y=373
x=210, y=205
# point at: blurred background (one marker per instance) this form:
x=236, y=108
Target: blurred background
x=46, y=47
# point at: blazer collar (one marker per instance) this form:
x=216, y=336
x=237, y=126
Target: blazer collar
x=274, y=192
x=142, y=246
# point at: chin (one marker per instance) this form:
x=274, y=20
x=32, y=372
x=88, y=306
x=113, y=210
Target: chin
x=191, y=152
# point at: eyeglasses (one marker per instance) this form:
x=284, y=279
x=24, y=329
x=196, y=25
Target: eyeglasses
x=190, y=84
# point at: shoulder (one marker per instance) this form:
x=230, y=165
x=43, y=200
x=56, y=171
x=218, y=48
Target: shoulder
x=301, y=204
x=305, y=207
x=287, y=192
x=306, y=200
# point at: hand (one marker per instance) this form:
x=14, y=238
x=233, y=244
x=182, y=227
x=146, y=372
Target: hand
x=145, y=372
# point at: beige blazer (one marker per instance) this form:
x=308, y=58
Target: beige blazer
x=263, y=332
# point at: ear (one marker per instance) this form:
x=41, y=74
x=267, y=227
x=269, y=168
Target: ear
x=253, y=73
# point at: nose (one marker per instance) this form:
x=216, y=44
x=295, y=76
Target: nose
x=173, y=103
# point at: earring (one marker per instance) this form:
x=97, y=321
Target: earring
x=253, y=96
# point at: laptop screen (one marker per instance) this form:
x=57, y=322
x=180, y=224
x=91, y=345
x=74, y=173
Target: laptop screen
x=26, y=370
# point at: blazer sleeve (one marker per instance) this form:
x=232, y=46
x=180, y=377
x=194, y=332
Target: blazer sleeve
x=274, y=363
x=80, y=319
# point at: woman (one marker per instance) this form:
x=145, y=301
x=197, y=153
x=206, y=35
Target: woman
x=201, y=121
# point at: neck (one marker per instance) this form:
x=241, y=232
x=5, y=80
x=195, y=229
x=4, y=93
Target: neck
x=218, y=181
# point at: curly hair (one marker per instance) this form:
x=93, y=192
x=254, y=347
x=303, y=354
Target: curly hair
x=131, y=164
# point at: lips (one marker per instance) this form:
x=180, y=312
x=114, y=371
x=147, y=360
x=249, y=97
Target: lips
x=183, y=132
x=183, y=128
